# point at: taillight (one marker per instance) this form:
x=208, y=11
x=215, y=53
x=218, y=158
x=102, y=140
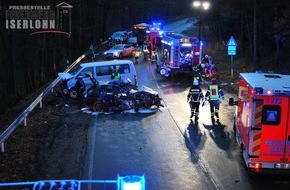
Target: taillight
x=255, y=165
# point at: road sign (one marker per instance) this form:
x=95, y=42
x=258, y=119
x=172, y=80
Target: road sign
x=232, y=46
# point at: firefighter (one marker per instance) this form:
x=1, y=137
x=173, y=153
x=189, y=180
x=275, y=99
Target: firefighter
x=194, y=97
x=137, y=53
x=92, y=52
x=80, y=89
x=213, y=95
x=197, y=71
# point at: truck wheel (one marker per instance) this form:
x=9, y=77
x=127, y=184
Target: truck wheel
x=163, y=71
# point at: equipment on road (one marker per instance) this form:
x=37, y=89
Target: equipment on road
x=261, y=125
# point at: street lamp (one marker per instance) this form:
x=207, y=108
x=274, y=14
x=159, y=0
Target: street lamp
x=201, y=5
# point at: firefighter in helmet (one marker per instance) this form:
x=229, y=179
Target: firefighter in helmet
x=194, y=97
x=213, y=95
x=197, y=71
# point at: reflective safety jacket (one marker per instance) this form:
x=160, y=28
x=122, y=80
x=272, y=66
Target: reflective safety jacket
x=116, y=76
x=214, y=92
x=195, y=94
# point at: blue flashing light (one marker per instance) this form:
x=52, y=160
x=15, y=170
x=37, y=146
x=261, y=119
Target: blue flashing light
x=201, y=43
x=132, y=182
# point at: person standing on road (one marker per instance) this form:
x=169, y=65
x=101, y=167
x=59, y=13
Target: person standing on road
x=92, y=52
x=213, y=95
x=137, y=53
x=194, y=97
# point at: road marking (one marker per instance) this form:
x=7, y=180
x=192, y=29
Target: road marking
x=91, y=160
x=211, y=176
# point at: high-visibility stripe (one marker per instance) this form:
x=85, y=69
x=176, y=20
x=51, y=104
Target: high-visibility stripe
x=257, y=133
x=242, y=91
x=257, y=142
x=258, y=115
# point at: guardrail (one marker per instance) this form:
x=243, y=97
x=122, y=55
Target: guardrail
x=22, y=117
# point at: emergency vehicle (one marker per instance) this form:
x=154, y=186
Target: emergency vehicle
x=152, y=43
x=139, y=31
x=262, y=120
x=179, y=54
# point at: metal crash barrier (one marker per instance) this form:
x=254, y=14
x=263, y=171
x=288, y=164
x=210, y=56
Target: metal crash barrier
x=130, y=182
x=38, y=101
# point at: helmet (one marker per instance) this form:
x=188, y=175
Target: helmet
x=213, y=81
x=195, y=82
x=206, y=56
x=202, y=65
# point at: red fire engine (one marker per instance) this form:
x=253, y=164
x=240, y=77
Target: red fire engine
x=262, y=124
x=179, y=54
x=152, y=44
x=139, y=31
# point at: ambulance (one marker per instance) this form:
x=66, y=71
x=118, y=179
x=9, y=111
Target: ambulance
x=179, y=54
x=262, y=121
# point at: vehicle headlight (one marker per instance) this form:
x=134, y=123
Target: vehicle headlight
x=105, y=53
x=116, y=53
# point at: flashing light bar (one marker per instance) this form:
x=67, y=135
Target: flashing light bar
x=130, y=182
x=186, y=45
x=269, y=92
x=166, y=42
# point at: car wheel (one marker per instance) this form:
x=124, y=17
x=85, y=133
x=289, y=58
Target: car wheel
x=73, y=93
x=99, y=106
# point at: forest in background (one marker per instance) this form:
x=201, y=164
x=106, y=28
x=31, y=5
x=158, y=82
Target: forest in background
x=28, y=62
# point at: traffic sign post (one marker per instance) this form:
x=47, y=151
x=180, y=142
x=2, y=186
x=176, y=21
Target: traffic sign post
x=232, y=47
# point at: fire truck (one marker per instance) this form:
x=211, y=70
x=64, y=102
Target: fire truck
x=139, y=31
x=262, y=121
x=179, y=53
x=152, y=44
